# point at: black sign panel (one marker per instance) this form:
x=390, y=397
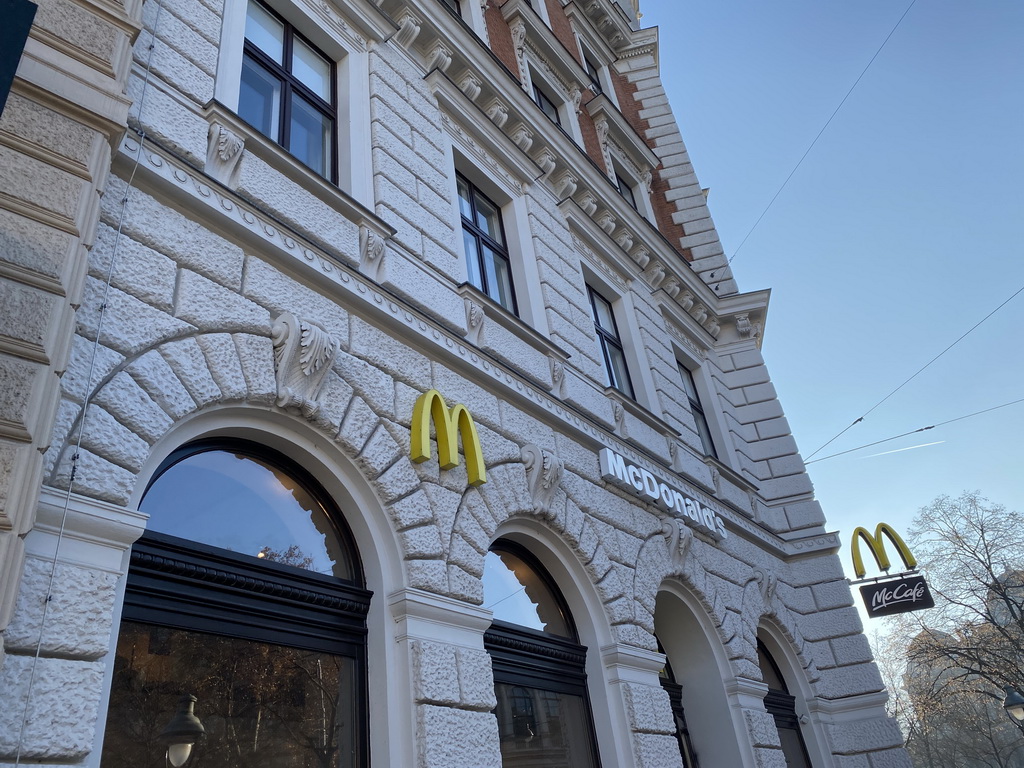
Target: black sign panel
x=902, y=595
x=17, y=20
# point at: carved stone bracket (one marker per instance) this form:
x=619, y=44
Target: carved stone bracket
x=497, y=111
x=470, y=85
x=522, y=136
x=303, y=353
x=546, y=160
x=624, y=238
x=766, y=583
x=518, y=29
x=678, y=537
x=223, y=153
x=476, y=316
x=371, y=253
x=440, y=58
x=557, y=378
x=641, y=256
x=602, y=138
x=543, y=474
x=607, y=222
x=408, y=29
x=588, y=203
x=565, y=184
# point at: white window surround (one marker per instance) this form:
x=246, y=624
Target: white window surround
x=638, y=186
x=629, y=335
x=709, y=401
x=598, y=53
x=567, y=118
x=518, y=238
x=352, y=66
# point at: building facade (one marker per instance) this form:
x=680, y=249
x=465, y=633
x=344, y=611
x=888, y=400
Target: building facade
x=374, y=376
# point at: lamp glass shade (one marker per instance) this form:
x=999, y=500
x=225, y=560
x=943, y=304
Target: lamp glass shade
x=178, y=754
x=1014, y=703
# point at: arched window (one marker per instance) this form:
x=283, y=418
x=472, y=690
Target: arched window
x=539, y=677
x=246, y=593
x=675, y=697
x=782, y=706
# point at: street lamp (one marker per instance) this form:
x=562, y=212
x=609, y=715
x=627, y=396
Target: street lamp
x=181, y=734
x=1013, y=703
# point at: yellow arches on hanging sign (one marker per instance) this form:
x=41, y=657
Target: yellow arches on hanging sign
x=448, y=425
x=877, y=547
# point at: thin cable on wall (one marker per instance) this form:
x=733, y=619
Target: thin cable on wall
x=87, y=400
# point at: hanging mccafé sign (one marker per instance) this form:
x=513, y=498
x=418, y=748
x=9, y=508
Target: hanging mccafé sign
x=906, y=592
x=616, y=470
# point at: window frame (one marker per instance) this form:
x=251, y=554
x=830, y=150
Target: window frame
x=613, y=338
x=291, y=86
x=483, y=238
x=194, y=587
x=700, y=418
x=541, y=98
x=538, y=660
x=781, y=705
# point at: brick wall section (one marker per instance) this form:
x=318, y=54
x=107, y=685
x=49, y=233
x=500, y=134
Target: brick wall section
x=500, y=36
x=563, y=29
x=676, y=189
x=590, y=142
x=663, y=208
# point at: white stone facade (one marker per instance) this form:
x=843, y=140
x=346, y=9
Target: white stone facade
x=152, y=241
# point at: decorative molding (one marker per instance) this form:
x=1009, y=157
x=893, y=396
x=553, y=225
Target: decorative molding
x=546, y=160
x=641, y=256
x=678, y=538
x=481, y=155
x=223, y=154
x=543, y=474
x=587, y=203
x=476, y=316
x=408, y=28
x=557, y=378
x=497, y=111
x=440, y=58
x=470, y=85
x=602, y=128
x=522, y=136
x=767, y=583
x=518, y=30
x=565, y=184
x=303, y=353
x=371, y=253
x=624, y=238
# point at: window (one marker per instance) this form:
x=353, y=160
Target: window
x=546, y=104
x=690, y=387
x=782, y=706
x=594, y=74
x=483, y=236
x=675, y=697
x=288, y=90
x=246, y=594
x=611, y=345
x=539, y=679
x=626, y=190
x=453, y=6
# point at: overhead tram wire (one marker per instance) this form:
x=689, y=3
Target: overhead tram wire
x=827, y=123
x=915, y=431
x=914, y=376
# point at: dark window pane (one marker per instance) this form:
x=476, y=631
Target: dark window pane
x=472, y=245
x=516, y=593
x=259, y=101
x=243, y=504
x=547, y=105
x=264, y=31
x=261, y=704
x=310, y=138
x=603, y=314
x=453, y=5
x=626, y=191
x=542, y=729
x=592, y=73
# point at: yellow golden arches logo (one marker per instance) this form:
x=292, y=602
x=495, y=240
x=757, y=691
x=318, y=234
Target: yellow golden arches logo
x=430, y=406
x=878, y=548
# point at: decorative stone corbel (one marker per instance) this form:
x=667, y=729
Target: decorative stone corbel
x=655, y=274
x=766, y=583
x=671, y=287
x=647, y=179
x=408, y=29
x=518, y=30
x=618, y=414
x=440, y=58
x=565, y=184
x=679, y=537
x=557, y=378
x=712, y=326
x=303, y=353
x=575, y=97
x=371, y=252
x=522, y=137
x=588, y=203
x=641, y=256
x=699, y=313
x=601, y=126
x=624, y=238
x=475, y=317
x=686, y=301
x=546, y=160
x=223, y=153
x=470, y=85
x=607, y=222
x=543, y=474
x=497, y=111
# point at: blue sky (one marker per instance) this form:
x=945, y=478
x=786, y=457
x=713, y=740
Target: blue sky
x=899, y=232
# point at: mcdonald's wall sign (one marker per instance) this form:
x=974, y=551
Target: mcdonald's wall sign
x=905, y=592
x=448, y=426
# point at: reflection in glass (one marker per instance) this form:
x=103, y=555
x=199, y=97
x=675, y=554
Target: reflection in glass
x=488, y=219
x=243, y=504
x=310, y=135
x=311, y=69
x=542, y=729
x=259, y=100
x=261, y=704
x=264, y=31
x=519, y=595
x=499, y=277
